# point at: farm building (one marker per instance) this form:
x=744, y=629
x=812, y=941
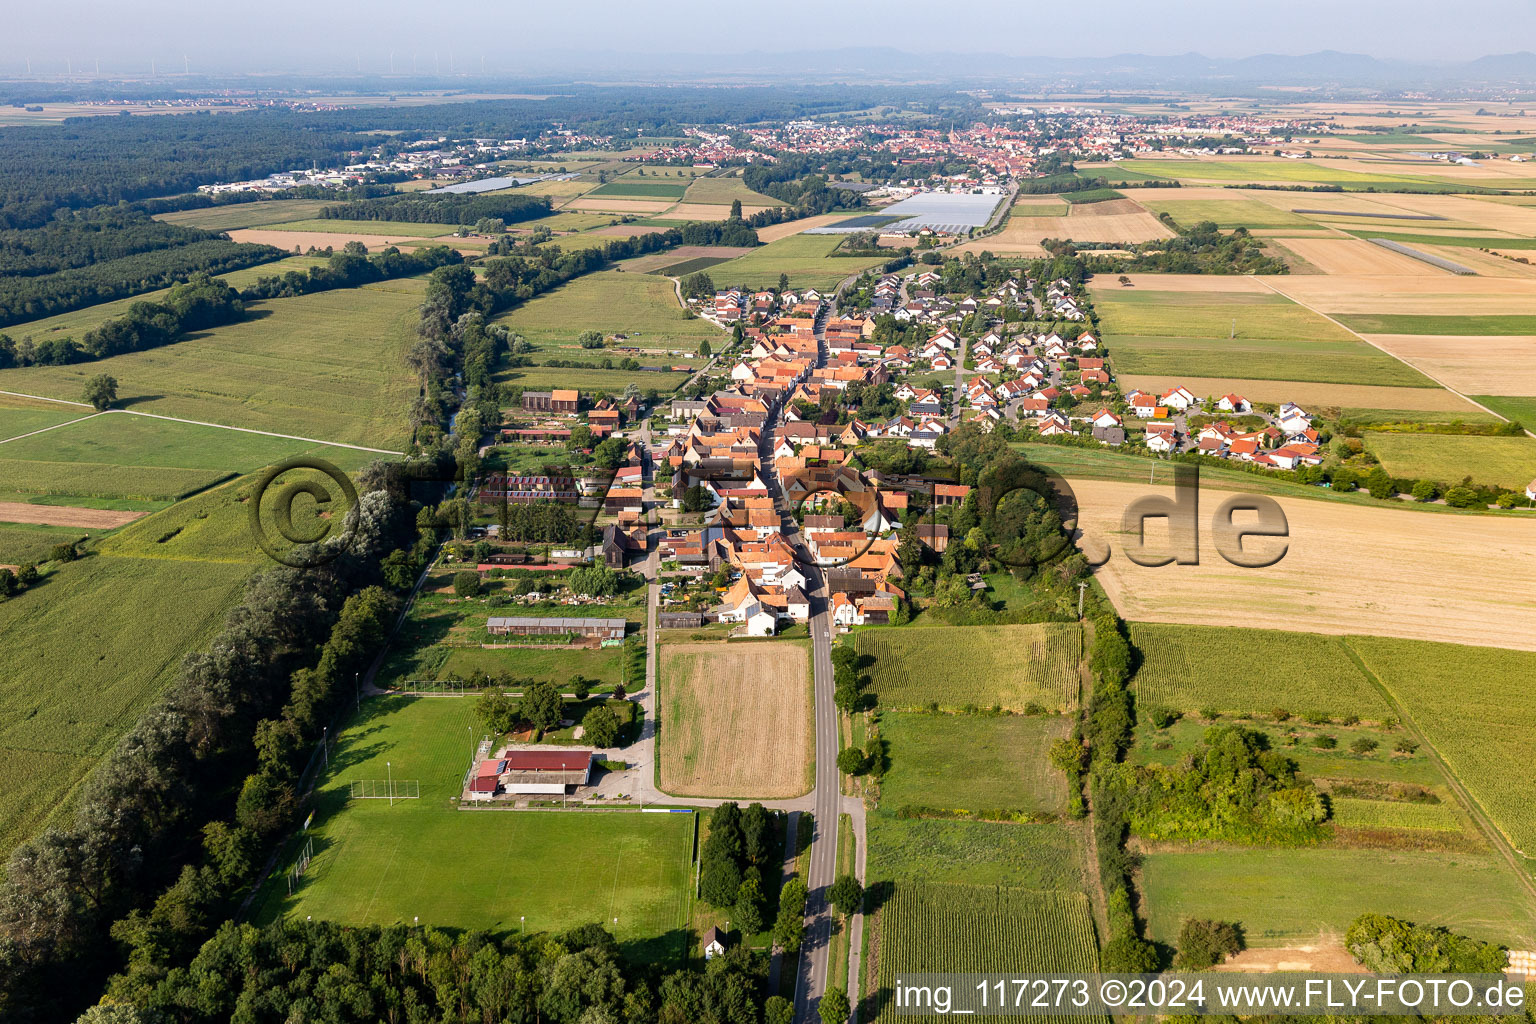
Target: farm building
x=524, y=490
x=531, y=771
x=519, y=625
x=561, y=400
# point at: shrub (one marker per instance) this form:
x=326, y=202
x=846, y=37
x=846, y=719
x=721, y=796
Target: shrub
x=1425, y=490
x=600, y=727
x=1127, y=954
x=1363, y=745
x=1324, y=742
x=1405, y=746
x=1464, y=497
x=1209, y=713
x=1280, y=715
x=1160, y=715
x=851, y=761
x=1205, y=944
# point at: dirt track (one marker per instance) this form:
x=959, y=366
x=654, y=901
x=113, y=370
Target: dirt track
x=63, y=515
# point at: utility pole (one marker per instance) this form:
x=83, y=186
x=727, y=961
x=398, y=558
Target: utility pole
x=1081, y=589
x=357, y=693
x=390, y=775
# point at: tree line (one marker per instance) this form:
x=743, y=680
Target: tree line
x=453, y=208
x=352, y=267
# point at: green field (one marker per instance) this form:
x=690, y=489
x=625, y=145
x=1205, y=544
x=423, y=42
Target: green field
x=633, y=188
x=23, y=543
x=1187, y=668
x=1456, y=241
x=984, y=853
x=974, y=763
x=20, y=416
x=496, y=870
x=247, y=215
x=1366, y=417
x=86, y=651
x=803, y=257
x=1296, y=897
x=640, y=306
x=76, y=322
x=1260, y=169
x=1476, y=706
x=1455, y=326
x=1006, y=665
x=972, y=929
x=724, y=191
x=330, y=365
x=1521, y=410
x=1211, y=315
x=1227, y=214
x=387, y=228
x=100, y=480
x=1394, y=814
x=1504, y=461
x=554, y=664
x=1325, y=362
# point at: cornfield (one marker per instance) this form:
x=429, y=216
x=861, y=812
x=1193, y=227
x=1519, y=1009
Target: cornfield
x=954, y=666
x=1349, y=812
x=1188, y=668
x=964, y=929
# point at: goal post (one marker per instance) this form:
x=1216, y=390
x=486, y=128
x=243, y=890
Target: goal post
x=384, y=789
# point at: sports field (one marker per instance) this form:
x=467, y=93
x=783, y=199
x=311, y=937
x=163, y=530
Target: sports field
x=1310, y=896
x=329, y=366
x=1011, y=666
x=973, y=763
x=1505, y=461
x=86, y=651
x=380, y=863
x=736, y=720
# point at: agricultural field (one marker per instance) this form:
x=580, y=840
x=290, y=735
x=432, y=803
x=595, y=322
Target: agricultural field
x=1394, y=814
x=1226, y=213
x=736, y=720
x=1163, y=314
x=1476, y=707
x=390, y=228
x=1522, y=410
x=1232, y=669
x=604, y=667
x=1503, y=461
x=19, y=416
x=1258, y=170
x=1422, y=576
x=247, y=215
x=1470, y=364
x=972, y=929
x=330, y=365
x=640, y=306
x=380, y=863
x=634, y=188
x=86, y=651
x=1323, y=362
x=726, y=190
x=1298, y=897
x=1010, y=666
x=1114, y=220
x=1025, y=856
x=973, y=763
x=805, y=258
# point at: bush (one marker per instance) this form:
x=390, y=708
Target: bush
x=1363, y=745
x=1405, y=746
x=1425, y=490
x=1160, y=716
x=851, y=761
x=1464, y=497
x=1205, y=944
x=63, y=553
x=1280, y=714
x=1127, y=954
x=1324, y=742
x=1389, y=945
x=466, y=584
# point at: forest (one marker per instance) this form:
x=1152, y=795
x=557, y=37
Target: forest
x=443, y=209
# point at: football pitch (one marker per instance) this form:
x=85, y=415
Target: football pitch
x=541, y=871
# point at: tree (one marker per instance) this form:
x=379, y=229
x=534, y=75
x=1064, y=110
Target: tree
x=755, y=834
x=1205, y=944
x=778, y=1010
x=610, y=453
x=1068, y=756
x=1379, y=483
x=8, y=583
x=600, y=727
x=834, y=1006
x=1127, y=954
x=590, y=339
x=789, y=926
x=783, y=282
x=719, y=877
x=846, y=894
x=466, y=584
x=27, y=575
x=497, y=711
x=749, y=907
x=265, y=805
x=696, y=498
x=735, y=209
x=1463, y=497
x=581, y=437
x=101, y=391
x=704, y=349
x=581, y=687
x=851, y=761
x=541, y=705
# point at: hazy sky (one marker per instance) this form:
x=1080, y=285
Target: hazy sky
x=341, y=34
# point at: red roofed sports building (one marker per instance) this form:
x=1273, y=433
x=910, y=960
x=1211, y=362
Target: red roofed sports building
x=530, y=772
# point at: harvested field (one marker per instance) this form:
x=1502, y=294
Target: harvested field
x=1353, y=256
x=1420, y=576
x=1115, y=220
x=736, y=720
x=1486, y=263
x=63, y=515
x=1308, y=393
x=618, y=205
x=1426, y=293
x=1472, y=365
x=1179, y=283
x=774, y=232
x=288, y=240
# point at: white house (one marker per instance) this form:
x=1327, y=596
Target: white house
x=1234, y=403
x=1179, y=398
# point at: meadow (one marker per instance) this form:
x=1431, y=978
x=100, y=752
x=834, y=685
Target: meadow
x=724, y=191
x=24, y=543
x=330, y=365
x=1210, y=315
x=1321, y=362
x=973, y=763
x=390, y=228
x=1522, y=410
x=86, y=651
x=736, y=720
x=1227, y=214
x=803, y=257
x=247, y=215
x=20, y=416
x=1026, y=856
x=637, y=189
x=605, y=667
x=1476, y=707
x=102, y=480
x=1503, y=461
x=971, y=929
x=1233, y=669
x=1394, y=814
x=1296, y=897
x=1010, y=666
x=377, y=863
x=1457, y=326
x=640, y=306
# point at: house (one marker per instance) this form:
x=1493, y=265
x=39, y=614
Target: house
x=1106, y=419
x=561, y=401
x=1530, y=490
x=1234, y=403
x=1178, y=398
x=1112, y=436
x=714, y=943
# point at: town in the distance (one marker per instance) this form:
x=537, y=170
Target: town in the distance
x=629, y=545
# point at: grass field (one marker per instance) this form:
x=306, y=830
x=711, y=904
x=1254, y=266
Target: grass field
x=1006, y=665
x=496, y=870
x=735, y=720
x=247, y=215
x=1227, y=214
x=984, y=853
x=1394, y=814
x=1296, y=897
x=329, y=365
x=21, y=543
x=1260, y=169
x=640, y=306
x=633, y=188
x=973, y=763
x=1322, y=362
x=972, y=929
x=803, y=257
x=1505, y=461
x=1459, y=326
x=86, y=651
x=1521, y=410
x=388, y=228
x=1187, y=668
x=1210, y=315
x=1476, y=706
x=100, y=480
x=724, y=191
x=213, y=526
x=552, y=664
